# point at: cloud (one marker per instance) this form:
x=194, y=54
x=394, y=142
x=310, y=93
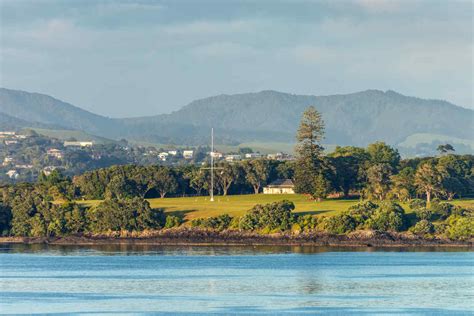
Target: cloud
x=225, y=49
x=378, y=6
x=212, y=27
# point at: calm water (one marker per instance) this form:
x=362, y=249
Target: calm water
x=231, y=280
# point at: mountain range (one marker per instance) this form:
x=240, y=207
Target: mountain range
x=267, y=116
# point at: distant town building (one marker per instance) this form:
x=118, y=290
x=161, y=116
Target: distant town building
x=56, y=153
x=12, y=174
x=253, y=155
x=216, y=154
x=7, y=161
x=11, y=142
x=188, y=154
x=173, y=152
x=280, y=186
x=163, y=156
x=48, y=169
x=6, y=134
x=24, y=166
x=231, y=158
x=78, y=144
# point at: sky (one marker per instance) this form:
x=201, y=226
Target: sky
x=137, y=58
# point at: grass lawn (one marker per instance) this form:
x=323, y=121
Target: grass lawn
x=236, y=205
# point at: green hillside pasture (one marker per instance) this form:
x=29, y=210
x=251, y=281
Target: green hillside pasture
x=64, y=134
x=237, y=205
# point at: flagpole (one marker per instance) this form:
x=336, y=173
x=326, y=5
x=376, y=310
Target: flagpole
x=212, y=164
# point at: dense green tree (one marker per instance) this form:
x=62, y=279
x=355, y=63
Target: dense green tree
x=348, y=162
x=257, y=173
x=226, y=175
x=429, y=180
x=379, y=181
x=443, y=149
x=164, y=181
x=308, y=150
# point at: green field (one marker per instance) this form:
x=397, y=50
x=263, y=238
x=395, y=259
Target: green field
x=236, y=205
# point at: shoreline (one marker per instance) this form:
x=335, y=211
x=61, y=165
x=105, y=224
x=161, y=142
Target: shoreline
x=236, y=238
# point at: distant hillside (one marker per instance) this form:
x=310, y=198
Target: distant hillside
x=267, y=116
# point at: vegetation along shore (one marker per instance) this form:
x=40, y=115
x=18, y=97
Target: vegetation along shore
x=353, y=196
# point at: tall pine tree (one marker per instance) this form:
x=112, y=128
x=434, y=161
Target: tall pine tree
x=309, y=150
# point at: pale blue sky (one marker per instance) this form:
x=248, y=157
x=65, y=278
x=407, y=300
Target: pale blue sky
x=134, y=58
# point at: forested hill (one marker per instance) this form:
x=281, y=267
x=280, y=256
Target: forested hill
x=267, y=116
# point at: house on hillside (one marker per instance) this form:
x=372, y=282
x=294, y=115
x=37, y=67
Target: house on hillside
x=280, y=186
x=78, y=144
x=188, y=154
x=12, y=174
x=252, y=155
x=56, y=153
x=231, y=158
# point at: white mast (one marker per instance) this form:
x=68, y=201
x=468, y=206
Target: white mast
x=212, y=164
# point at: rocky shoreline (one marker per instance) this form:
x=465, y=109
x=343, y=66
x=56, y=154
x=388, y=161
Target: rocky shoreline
x=235, y=237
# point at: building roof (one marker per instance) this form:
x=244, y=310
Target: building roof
x=281, y=183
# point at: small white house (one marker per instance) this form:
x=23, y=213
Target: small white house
x=163, y=156
x=253, y=155
x=216, y=154
x=56, y=153
x=280, y=186
x=7, y=161
x=188, y=154
x=12, y=174
x=78, y=144
x=231, y=158
x=173, y=152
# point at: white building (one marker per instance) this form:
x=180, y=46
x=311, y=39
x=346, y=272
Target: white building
x=188, y=154
x=47, y=170
x=56, y=153
x=6, y=134
x=163, y=156
x=280, y=186
x=253, y=155
x=233, y=158
x=173, y=152
x=216, y=154
x=7, y=161
x=78, y=144
x=12, y=174
x=11, y=142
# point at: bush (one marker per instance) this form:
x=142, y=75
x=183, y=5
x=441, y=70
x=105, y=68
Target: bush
x=361, y=212
x=424, y=214
x=220, y=222
x=306, y=222
x=173, y=221
x=422, y=228
x=417, y=204
x=126, y=214
x=442, y=210
x=340, y=224
x=388, y=217
x=273, y=217
x=460, y=227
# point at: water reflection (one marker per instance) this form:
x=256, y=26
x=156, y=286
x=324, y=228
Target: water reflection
x=131, y=248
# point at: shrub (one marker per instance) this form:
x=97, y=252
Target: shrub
x=422, y=228
x=306, y=222
x=460, y=227
x=340, y=224
x=361, y=212
x=423, y=214
x=417, y=203
x=126, y=214
x=388, y=217
x=273, y=217
x=220, y=222
x=442, y=210
x=173, y=221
